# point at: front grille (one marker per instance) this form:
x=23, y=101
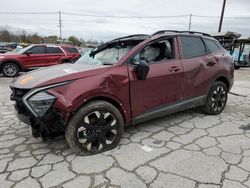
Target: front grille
x=17, y=95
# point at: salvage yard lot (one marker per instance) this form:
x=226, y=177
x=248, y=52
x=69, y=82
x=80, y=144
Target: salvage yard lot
x=187, y=149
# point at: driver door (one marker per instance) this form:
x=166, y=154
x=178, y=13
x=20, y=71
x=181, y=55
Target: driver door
x=36, y=58
x=164, y=83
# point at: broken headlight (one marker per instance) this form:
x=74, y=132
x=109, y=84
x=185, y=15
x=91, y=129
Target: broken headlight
x=40, y=102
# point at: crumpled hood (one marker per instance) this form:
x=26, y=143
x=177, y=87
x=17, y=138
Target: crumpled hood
x=56, y=74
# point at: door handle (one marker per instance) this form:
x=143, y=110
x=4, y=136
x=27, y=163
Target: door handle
x=174, y=69
x=211, y=63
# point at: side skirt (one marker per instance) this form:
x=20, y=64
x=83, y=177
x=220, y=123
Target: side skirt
x=170, y=109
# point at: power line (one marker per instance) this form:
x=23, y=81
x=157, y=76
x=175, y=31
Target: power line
x=29, y=13
x=128, y=17
x=228, y=17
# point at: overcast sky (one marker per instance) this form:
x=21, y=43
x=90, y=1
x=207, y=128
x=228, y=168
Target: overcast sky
x=103, y=28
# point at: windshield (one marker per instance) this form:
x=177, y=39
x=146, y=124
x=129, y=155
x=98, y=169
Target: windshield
x=21, y=51
x=108, y=56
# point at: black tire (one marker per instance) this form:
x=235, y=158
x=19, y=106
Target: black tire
x=86, y=125
x=236, y=67
x=66, y=61
x=10, y=69
x=216, y=99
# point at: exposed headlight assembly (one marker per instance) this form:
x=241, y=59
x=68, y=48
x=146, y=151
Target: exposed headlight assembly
x=38, y=101
x=41, y=102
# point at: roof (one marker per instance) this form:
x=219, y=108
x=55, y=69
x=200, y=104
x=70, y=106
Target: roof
x=244, y=40
x=62, y=45
x=228, y=34
x=168, y=32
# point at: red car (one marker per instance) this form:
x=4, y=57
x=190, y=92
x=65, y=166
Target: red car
x=35, y=56
x=126, y=81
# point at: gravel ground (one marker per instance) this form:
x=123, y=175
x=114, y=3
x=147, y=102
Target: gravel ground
x=187, y=149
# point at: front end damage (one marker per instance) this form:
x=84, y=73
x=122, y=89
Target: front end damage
x=33, y=108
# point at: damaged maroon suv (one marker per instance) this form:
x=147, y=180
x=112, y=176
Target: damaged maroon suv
x=125, y=81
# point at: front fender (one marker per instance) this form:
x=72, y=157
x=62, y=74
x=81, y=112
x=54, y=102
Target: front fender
x=72, y=96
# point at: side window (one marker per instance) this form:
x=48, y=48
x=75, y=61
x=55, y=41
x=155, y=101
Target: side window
x=212, y=46
x=53, y=50
x=192, y=46
x=71, y=50
x=37, y=50
x=156, y=51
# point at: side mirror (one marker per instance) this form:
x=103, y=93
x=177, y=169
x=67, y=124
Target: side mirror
x=28, y=53
x=142, y=70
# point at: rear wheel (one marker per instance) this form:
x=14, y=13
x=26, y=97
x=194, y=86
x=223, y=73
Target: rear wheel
x=10, y=69
x=96, y=127
x=216, y=99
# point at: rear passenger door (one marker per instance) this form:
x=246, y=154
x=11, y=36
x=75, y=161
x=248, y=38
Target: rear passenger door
x=198, y=66
x=54, y=55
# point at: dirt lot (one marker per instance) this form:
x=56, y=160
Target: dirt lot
x=187, y=149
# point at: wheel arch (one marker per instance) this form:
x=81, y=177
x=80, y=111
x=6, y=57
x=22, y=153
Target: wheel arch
x=12, y=61
x=224, y=80
x=110, y=100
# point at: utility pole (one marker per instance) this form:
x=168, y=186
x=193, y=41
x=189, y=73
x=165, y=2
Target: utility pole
x=222, y=15
x=190, y=22
x=20, y=35
x=60, y=25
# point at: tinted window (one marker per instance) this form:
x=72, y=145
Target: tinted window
x=157, y=51
x=192, y=46
x=71, y=50
x=53, y=50
x=37, y=50
x=212, y=46
x=219, y=45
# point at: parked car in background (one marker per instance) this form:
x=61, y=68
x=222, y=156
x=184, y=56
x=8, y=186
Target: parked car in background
x=3, y=49
x=35, y=56
x=241, y=53
x=125, y=81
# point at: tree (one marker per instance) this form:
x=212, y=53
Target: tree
x=5, y=36
x=74, y=40
x=35, y=38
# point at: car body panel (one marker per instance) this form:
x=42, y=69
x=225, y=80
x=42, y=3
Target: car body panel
x=170, y=86
x=31, y=61
x=55, y=74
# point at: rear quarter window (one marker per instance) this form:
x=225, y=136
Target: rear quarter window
x=192, y=46
x=211, y=45
x=71, y=50
x=53, y=50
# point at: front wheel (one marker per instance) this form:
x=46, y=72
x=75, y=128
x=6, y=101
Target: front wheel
x=96, y=127
x=10, y=69
x=216, y=99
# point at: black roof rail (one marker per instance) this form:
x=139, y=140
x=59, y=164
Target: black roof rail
x=197, y=32
x=130, y=36
x=175, y=31
x=165, y=31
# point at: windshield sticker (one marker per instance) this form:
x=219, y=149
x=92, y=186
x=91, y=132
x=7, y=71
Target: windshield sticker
x=26, y=79
x=69, y=70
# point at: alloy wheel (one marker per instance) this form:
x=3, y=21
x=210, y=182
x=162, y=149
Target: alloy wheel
x=219, y=97
x=10, y=70
x=97, y=131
